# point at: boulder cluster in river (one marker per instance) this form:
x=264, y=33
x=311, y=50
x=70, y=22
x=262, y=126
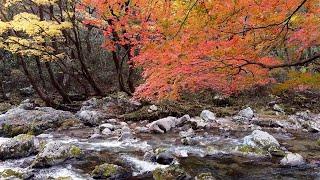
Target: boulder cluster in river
x=98, y=123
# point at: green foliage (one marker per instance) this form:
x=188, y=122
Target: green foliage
x=298, y=81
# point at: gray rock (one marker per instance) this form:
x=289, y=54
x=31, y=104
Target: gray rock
x=207, y=116
x=106, y=131
x=190, y=141
x=245, y=114
x=90, y=104
x=106, y=125
x=163, y=125
x=278, y=108
x=20, y=146
x=125, y=136
x=91, y=117
x=305, y=115
x=292, y=159
x=19, y=121
x=261, y=139
x=119, y=103
x=110, y=171
x=198, y=123
x=123, y=124
x=95, y=111
x=95, y=136
x=183, y=120
x=153, y=108
x=311, y=126
x=55, y=153
x=188, y=133
x=27, y=91
x=27, y=105
x=112, y=121
x=149, y=156
x=142, y=130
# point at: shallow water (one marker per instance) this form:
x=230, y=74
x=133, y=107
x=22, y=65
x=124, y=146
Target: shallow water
x=215, y=153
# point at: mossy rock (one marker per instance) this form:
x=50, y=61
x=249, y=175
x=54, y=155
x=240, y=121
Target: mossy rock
x=110, y=171
x=318, y=142
x=160, y=150
x=205, y=176
x=69, y=123
x=24, y=137
x=249, y=149
x=62, y=178
x=13, y=130
x=170, y=173
x=75, y=151
x=274, y=151
x=9, y=173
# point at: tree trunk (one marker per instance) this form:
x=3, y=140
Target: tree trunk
x=56, y=85
x=48, y=101
x=40, y=72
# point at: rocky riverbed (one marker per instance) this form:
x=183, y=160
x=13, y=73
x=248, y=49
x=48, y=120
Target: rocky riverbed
x=96, y=143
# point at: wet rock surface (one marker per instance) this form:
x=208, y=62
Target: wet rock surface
x=20, y=146
x=204, y=147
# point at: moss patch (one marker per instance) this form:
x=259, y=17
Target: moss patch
x=205, y=176
x=75, y=151
x=249, y=149
x=105, y=170
x=10, y=173
x=24, y=137
x=11, y=131
x=318, y=142
x=171, y=173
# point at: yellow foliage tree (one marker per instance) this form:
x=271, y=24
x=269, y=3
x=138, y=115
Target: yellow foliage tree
x=27, y=34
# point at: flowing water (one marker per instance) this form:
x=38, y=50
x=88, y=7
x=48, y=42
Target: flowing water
x=215, y=153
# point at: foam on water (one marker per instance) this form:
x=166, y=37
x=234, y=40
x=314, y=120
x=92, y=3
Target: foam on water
x=142, y=166
x=14, y=164
x=59, y=171
x=3, y=140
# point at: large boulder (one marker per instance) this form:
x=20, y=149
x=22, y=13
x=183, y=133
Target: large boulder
x=20, y=146
x=163, y=125
x=91, y=117
x=110, y=171
x=260, y=142
x=261, y=139
x=96, y=111
x=207, y=116
x=198, y=123
x=28, y=119
x=292, y=159
x=244, y=115
x=55, y=153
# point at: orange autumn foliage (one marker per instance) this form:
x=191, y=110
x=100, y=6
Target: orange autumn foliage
x=223, y=45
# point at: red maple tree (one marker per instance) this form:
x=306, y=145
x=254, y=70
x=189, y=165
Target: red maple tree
x=223, y=45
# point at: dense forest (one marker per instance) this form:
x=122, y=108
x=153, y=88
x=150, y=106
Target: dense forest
x=159, y=89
